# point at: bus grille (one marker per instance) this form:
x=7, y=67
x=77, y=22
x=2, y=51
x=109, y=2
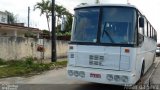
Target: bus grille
x=96, y=60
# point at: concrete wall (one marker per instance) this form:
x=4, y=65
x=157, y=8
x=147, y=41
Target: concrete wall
x=7, y=33
x=17, y=48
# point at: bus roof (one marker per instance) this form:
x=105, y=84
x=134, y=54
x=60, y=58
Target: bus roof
x=99, y=5
x=114, y=5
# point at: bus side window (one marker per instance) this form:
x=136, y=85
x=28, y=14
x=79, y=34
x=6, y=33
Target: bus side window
x=140, y=32
x=148, y=30
x=145, y=28
x=152, y=33
x=156, y=36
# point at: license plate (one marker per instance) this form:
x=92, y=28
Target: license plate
x=94, y=75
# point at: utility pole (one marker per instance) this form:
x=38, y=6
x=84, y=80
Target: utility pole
x=53, y=50
x=28, y=16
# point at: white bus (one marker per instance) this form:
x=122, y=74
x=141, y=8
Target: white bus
x=110, y=44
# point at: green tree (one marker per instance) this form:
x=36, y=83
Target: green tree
x=11, y=18
x=60, y=10
x=45, y=8
x=68, y=25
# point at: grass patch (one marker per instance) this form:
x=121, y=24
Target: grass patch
x=61, y=64
x=26, y=67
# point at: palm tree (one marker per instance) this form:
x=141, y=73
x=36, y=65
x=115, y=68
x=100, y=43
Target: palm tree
x=68, y=25
x=11, y=18
x=45, y=8
x=60, y=10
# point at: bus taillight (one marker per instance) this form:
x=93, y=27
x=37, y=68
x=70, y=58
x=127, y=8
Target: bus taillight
x=126, y=50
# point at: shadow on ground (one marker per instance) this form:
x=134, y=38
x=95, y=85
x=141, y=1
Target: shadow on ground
x=89, y=86
x=95, y=86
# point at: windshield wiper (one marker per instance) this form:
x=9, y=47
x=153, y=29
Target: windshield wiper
x=106, y=32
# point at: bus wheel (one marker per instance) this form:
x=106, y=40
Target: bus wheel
x=142, y=70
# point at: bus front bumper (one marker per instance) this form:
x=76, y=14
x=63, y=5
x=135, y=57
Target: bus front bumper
x=122, y=78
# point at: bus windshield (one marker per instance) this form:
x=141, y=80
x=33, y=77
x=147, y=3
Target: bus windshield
x=86, y=25
x=116, y=25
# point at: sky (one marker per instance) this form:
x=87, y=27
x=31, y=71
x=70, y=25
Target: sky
x=150, y=8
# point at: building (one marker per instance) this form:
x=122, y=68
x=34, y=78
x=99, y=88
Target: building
x=16, y=29
x=10, y=30
x=3, y=17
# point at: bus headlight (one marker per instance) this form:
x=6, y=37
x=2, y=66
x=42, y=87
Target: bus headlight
x=76, y=73
x=70, y=72
x=124, y=79
x=82, y=74
x=116, y=77
x=109, y=77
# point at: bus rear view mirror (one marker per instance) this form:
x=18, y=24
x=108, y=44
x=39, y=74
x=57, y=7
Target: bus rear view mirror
x=141, y=22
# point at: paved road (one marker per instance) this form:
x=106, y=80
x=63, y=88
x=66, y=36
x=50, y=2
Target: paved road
x=50, y=77
x=54, y=80
x=155, y=79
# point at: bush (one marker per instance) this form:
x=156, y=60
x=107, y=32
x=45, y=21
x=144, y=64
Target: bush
x=2, y=62
x=29, y=62
x=40, y=67
x=63, y=33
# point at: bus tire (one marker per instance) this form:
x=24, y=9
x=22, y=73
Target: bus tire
x=142, y=69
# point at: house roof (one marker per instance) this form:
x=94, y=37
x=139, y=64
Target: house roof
x=3, y=12
x=3, y=25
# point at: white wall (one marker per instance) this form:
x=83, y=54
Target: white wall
x=3, y=17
